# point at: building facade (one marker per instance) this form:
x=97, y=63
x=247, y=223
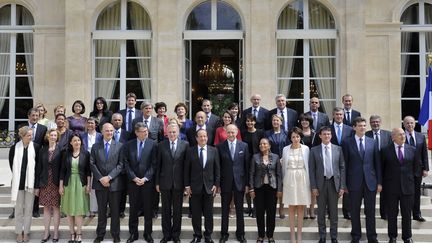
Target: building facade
x=58, y=51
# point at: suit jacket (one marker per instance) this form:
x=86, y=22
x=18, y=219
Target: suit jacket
x=323, y=120
x=316, y=167
x=213, y=122
x=384, y=136
x=146, y=165
x=44, y=163
x=421, y=149
x=169, y=173
x=191, y=135
x=124, y=136
x=358, y=169
x=257, y=172
x=277, y=141
x=155, y=128
x=347, y=132
x=354, y=114
x=198, y=177
x=124, y=114
x=397, y=177
x=113, y=166
x=39, y=137
x=83, y=167
x=234, y=172
x=292, y=118
x=84, y=138
x=260, y=119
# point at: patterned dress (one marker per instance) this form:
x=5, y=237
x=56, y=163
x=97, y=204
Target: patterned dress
x=49, y=194
x=75, y=200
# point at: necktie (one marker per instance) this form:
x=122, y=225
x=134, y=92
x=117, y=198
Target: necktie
x=34, y=132
x=208, y=118
x=400, y=154
x=255, y=112
x=116, y=136
x=348, y=117
x=411, y=140
x=362, y=151
x=106, y=150
x=201, y=157
x=339, y=134
x=283, y=119
x=377, y=138
x=146, y=122
x=139, y=150
x=172, y=149
x=129, y=121
x=232, y=150
x=315, y=121
x=327, y=163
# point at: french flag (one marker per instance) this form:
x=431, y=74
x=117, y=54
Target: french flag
x=425, y=116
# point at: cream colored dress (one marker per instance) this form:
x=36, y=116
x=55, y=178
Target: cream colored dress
x=296, y=186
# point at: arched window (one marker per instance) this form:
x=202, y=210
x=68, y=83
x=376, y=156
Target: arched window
x=16, y=65
x=416, y=43
x=225, y=17
x=122, y=53
x=306, y=55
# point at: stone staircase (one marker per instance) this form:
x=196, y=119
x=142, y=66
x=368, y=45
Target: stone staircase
x=422, y=232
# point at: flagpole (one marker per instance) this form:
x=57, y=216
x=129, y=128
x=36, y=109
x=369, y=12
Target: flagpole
x=429, y=133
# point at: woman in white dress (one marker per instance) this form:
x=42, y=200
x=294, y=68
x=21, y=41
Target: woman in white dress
x=295, y=183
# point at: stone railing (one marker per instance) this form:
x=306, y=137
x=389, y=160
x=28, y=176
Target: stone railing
x=7, y=138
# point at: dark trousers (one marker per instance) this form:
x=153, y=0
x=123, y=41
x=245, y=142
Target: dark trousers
x=417, y=193
x=202, y=203
x=238, y=202
x=328, y=200
x=346, y=204
x=369, y=198
x=171, y=199
x=265, y=204
x=140, y=198
x=156, y=196
x=383, y=204
x=406, y=202
x=123, y=199
x=36, y=204
x=104, y=199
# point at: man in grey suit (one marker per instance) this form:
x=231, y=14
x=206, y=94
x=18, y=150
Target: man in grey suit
x=169, y=182
x=257, y=110
x=212, y=120
x=155, y=125
x=106, y=163
x=327, y=180
x=383, y=138
x=320, y=119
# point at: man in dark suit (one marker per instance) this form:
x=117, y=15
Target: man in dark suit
x=363, y=169
x=200, y=118
x=140, y=164
x=130, y=113
x=320, y=119
x=382, y=138
x=340, y=131
x=349, y=113
x=106, y=163
x=257, y=110
x=90, y=136
x=400, y=162
x=212, y=120
x=417, y=140
x=289, y=116
x=202, y=178
x=234, y=171
x=155, y=125
x=169, y=179
x=327, y=180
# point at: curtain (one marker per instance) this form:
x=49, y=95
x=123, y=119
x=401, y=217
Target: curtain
x=287, y=20
x=428, y=20
x=323, y=67
x=4, y=59
x=107, y=67
x=27, y=19
x=141, y=21
x=407, y=18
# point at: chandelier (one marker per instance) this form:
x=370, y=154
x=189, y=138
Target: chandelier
x=215, y=72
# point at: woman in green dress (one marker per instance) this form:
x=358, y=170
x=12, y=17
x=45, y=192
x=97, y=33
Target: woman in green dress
x=74, y=185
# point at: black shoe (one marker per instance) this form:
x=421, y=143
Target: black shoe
x=176, y=241
x=140, y=213
x=241, y=239
x=148, y=238
x=155, y=215
x=116, y=239
x=253, y=214
x=334, y=241
x=195, y=240
x=373, y=241
x=165, y=240
x=392, y=240
x=190, y=215
x=36, y=214
x=46, y=239
x=223, y=239
x=409, y=241
x=208, y=240
x=122, y=215
x=98, y=240
x=355, y=241
x=108, y=215
x=384, y=217
x=419, y=218
x=132, y=238
x=347, y=216
x=322, y=240
x=12, y=215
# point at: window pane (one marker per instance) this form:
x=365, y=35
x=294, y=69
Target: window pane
x=108, y=89
x=21, y=67
x=319, y=16
x=22, y=87
x=21, y=108
x=4, y=127
x=137, y=17
x=4, y=86
x=4, y=108
x=428, y=41
x=428, y=13
x=292, y=16
x=323, y=67
x=5, y=15
x=138, y=68
x=227, y=17
x=410, y=87
x=24, y=43
x=410, y=42
x=113, y=106
x=135, y=87
x=107, y=48
x=4, y=64
x=23, y=16
x=296, y=105
x=200, y=17
x=323, y=47
x=107, y=68
x=286, y=47
x=290, y=67
x=410, y=64
x=323, y=88
x=295, y=88
x=410, y=108
x=410, y=16
x=109, y=19
x=138, y=48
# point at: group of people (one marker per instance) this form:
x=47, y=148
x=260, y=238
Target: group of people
x=81, y=166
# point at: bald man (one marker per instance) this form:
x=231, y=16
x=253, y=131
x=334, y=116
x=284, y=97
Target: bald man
x=257, y=110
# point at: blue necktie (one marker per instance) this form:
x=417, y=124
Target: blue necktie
x=106, y=150
x=339, y=134
x=201, y=157
x=139, y=150
x=129, y=126
x=400, y=154
x=362, y=151
x=116, y=136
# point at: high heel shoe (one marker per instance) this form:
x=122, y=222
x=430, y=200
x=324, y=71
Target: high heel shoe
x=78, y=238
x=46, y=239
x=72, y=240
